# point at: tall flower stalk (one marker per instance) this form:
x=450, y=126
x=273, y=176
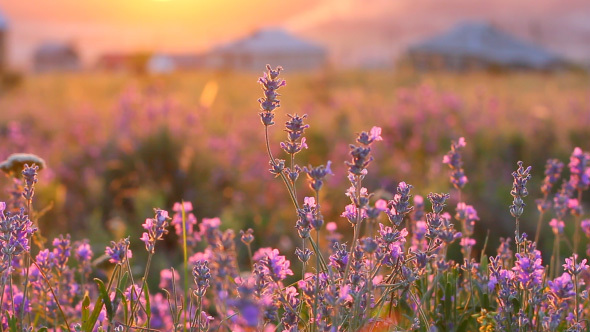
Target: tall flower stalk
x=518, y=192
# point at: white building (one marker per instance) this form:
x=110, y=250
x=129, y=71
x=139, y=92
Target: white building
x=477, y=45
x=268, y=46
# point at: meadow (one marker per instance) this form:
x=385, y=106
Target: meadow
x=115, y=147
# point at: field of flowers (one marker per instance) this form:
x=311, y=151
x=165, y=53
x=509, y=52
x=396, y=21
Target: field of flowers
x=366, y=201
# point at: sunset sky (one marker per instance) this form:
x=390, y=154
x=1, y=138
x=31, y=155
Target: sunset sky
x=131, y=25
x=354, y=31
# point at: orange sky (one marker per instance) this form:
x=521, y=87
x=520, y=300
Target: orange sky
x=167, y=25
x=354, y=31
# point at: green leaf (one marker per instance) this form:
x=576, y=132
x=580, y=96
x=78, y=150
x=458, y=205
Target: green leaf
x=464, y=326
x=85, y=307
x=146, y=294
x=105, y=298
x=88, y=325
x=124, y=300
x=42, y=329
x=12, y=323
x=123, y=282
x=448, y=300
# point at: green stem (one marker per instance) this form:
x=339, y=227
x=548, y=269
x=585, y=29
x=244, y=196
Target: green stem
x=185, y=264
x=578, y=221
x=53, y=294
x=143, y=285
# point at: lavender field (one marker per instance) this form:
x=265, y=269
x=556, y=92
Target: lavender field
x=321, y=201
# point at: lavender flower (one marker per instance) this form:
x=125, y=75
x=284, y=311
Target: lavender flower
x=467, y=215
x=374, y=135
x=30, y=176
x=316, y=175
x=519, y=191
x=453, y=159
x=201, y=275
x=276, y=266
x=192, y=237
x=247, y=237
x=156, y=228
x=119, y=252
x=303, y=255
x=573, y=267
x=579, y=169
x=562, y=286
x=61, y=252
x=553, y=170
x=556, y=226
x=83, y=252
x=15, y=231
x=400, y=205
x=295, y=128
x=270, y=84
x=529, y=269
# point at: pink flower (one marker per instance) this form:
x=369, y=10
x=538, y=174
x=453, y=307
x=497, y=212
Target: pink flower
x=310, y=201
x=556, y=226
x=381, y=205
x=331, y=226
x=375, y=134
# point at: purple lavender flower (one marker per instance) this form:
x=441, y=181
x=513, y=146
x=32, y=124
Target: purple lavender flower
x=290, y=317
x=270, y=84
x=276, y=266
x=562, y=286
x=553, y=170
x=374, y=135
x=399, y=207
x=316, y=175
x=579, y=169
x=303, y=255
x=351, y=213
x=453, y=159
x=390, y=235
x=209, y=228
x=192, y=237
x=156, y=228
x=61, y=252
x=573, y=267
x=247, y=237
x=201, y=275
x=119, y=252
x=30, y=176
x=160, y=316
x=556, y=226
x=529, y=269
x=468, y=216
x=586, y=226
x=83, y=252
x=15, y=231
x=339, y=259
x=249, y=308
x=519, y=191
x=295, y=142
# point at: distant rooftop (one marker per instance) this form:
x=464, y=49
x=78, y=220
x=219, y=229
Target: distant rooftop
x=270, y=40
x=3, y=21
x=483, y=40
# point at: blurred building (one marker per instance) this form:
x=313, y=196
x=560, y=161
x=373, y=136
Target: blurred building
x=268, y=46
x=3, y=43
x=477, y=45
x=114, y=62
x=56, y=57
